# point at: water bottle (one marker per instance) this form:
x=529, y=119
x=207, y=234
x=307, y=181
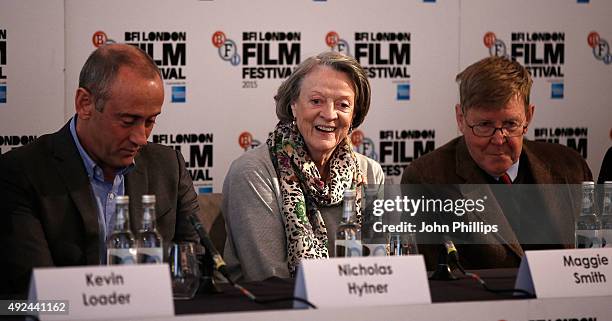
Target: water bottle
x=348, y=235
x=587, y=224
x=120, y=244
x=606, y=216
x=149, y=243
x=374, y=244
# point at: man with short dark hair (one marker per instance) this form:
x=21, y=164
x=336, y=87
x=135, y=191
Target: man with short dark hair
x=493, y=116
x=58, y=193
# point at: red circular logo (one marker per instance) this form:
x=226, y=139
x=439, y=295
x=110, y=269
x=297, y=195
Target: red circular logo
x=331, y=39
x=218, y=39
x=99, y=38
x=489, y=39
x=593, y=39
x=245, y=139
x=357, y=138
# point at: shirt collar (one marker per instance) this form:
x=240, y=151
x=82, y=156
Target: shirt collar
x=512, y=171
x=93, y=170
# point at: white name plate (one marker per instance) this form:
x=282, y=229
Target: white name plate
x=105, y=292
x=566, y=273
x=361, y=281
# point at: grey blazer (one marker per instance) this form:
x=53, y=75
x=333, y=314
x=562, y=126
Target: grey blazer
x=48, y=214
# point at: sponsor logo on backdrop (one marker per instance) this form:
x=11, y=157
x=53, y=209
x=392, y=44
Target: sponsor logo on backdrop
x=8, y=142
x=572, y=137
x=601, y=47
x=556, y=90
x=167, y=48
x=197, y=149
x=403, y=92
x=384, y=55
x=542, y=53
x=3, y=75
x=261, y=55
x=179, y=94
x=399, y=147
x=246, y=141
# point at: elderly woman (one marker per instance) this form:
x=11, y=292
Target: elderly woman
x=283, y=200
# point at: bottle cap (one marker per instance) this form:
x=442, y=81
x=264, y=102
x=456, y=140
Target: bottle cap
x=148, y=198
x=122, y=199
x=349, y=193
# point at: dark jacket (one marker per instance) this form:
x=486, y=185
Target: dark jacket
x=545, y=163
x=48, y=213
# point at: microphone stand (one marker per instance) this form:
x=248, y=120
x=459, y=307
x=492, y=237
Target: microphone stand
x=207, y=279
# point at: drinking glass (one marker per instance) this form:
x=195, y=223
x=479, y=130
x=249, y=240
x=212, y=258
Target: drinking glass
x=184, y=270
x=403, y=244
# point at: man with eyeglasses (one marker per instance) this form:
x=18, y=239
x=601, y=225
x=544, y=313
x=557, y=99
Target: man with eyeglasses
x=493, y=116
x=58, y=193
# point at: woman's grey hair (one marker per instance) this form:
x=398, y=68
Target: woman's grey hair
x=102, y=66
x=289, y=90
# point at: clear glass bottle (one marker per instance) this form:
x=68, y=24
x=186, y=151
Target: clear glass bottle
x=606, y=216
x=149, y=243
x=587, y=224
x=348, y=235
x=374, y=244
x=120, y=244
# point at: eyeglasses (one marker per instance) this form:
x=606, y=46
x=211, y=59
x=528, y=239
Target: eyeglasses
x=508, y=130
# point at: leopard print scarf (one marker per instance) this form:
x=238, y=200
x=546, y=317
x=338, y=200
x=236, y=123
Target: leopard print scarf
x=303, y=191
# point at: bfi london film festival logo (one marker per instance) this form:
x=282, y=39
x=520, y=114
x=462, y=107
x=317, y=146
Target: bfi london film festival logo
x=383, y=55
x=198, y=151
x=542, y=54
x=263, y=55
x=600, y=46
x=171, y=62
x=363, y=145
x=227, y=48
x=246, y=141
x=100, y=38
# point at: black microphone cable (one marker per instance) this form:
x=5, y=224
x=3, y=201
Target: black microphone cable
x=453, y=259
x=220, y=266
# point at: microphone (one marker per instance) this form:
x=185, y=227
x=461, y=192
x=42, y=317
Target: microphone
x=448, y=256
x=452, y=256
x=218, y=261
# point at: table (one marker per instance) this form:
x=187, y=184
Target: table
x=232, y=300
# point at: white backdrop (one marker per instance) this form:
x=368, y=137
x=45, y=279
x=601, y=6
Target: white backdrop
x=224, y=60
x=31, y=70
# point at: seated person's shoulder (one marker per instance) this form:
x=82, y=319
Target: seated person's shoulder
x=560, y=160
x=30, y=154
x=158, y=155
x=254, y=165
x=256, y=158
x=371, y=166
x=555, y=154
x=433, y=167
